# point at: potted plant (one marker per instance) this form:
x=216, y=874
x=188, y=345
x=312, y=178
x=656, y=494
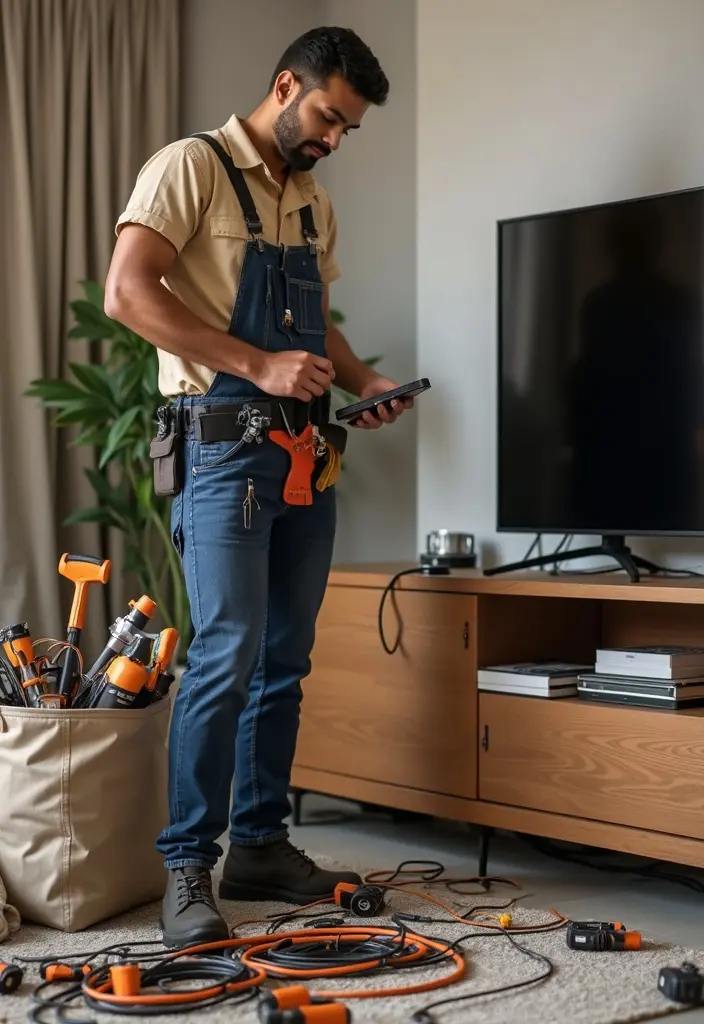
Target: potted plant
x=113, y=404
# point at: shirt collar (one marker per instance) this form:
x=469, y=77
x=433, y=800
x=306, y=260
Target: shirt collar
x=245, y=156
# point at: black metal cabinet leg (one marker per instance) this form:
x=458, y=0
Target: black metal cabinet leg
x=484, y=839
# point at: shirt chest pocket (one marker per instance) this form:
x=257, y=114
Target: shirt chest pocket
x=229, y=227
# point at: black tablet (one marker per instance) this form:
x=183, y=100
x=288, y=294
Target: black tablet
x=353, y=412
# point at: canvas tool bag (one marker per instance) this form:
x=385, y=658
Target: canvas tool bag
x=83, y=797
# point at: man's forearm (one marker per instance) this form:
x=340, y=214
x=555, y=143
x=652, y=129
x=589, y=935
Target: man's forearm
x=351, y=374
x=152, y=311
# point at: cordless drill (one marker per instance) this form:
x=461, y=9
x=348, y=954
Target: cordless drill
x=600, y=936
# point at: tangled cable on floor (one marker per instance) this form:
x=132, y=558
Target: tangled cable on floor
x=137, y=980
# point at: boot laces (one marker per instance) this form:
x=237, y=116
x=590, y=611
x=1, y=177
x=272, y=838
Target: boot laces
x=195, y=889
x=300, y=857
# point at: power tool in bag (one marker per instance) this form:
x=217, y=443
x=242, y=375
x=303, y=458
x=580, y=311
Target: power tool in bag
x=131, y=671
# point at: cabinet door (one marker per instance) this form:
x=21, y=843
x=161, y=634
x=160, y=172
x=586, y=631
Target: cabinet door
x=408, y=719
x=632, y=766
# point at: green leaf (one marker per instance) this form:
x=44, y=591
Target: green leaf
x=95, y=379
x=81, y=412
x=104, y=489
x=336, y=316
x=93, y=436
x=117, y=435
x=92, y=515
x=57, y=390
x=130, y=382
x=94, y=293
x=89, y=315
x=145, y=492
x=88, y=332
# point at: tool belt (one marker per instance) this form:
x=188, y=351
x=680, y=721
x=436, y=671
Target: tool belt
x=295, y=425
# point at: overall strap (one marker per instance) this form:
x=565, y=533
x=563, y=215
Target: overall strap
x=309, y=229
x=236, y=177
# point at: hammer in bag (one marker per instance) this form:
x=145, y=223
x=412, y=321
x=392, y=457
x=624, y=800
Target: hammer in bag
x=81, y=570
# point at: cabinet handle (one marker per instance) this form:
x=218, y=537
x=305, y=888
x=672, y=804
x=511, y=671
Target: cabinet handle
x=485, y=738
x=465, y=636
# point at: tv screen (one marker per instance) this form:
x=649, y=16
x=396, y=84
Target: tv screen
x=601, y=369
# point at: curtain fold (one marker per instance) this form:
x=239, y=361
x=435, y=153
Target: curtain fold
x=88, y=91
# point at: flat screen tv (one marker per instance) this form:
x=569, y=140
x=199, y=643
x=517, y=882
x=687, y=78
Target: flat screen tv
x=601, y=369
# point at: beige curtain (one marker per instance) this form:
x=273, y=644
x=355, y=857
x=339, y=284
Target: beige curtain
x=88, y=90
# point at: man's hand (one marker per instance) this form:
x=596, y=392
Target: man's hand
x=384, y=413
x=293, y=374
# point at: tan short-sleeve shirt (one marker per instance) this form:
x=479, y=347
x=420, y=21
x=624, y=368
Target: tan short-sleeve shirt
x=184, y=193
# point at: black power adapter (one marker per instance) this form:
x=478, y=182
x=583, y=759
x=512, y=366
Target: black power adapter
x=682, y=984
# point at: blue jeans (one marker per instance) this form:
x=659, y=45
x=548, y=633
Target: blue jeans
x=256, y=571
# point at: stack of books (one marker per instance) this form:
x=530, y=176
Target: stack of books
x=661, y=677
x=549, y=679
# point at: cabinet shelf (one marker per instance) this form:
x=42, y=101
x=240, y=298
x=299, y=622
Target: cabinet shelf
x=406, y=730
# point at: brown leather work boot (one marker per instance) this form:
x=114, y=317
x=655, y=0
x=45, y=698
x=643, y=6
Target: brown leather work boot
x=189, y=914
x=280, y=872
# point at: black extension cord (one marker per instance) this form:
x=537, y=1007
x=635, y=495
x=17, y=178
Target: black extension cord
x=418, y=570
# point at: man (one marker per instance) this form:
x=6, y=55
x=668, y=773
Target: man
x=223, y=261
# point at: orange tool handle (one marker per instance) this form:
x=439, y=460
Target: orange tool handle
x=10, y=654
x=297, y=489
x=168, y=640
x=19, y=651
x=145, y=605
x=64, y=972
x=126, y=979
x=82, y=570
x=317, y=1013
x=290, y=997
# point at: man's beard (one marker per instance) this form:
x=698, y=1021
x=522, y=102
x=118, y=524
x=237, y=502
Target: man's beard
x=288, y=134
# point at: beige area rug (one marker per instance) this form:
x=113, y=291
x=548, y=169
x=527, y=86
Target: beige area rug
x=585, y=988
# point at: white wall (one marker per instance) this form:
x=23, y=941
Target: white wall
x=372, y=181
x=230, y=48
x=527, y=106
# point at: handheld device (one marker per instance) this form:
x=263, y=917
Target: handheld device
x=354, y=411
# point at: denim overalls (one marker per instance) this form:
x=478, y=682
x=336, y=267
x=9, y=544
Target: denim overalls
x=256, y=570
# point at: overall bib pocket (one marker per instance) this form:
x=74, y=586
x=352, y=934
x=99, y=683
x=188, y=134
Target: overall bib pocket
x=305, y=300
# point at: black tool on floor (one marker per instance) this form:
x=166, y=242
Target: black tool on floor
x=682, y=984
x=362, y=900
x=11, y=977
x=600, y=936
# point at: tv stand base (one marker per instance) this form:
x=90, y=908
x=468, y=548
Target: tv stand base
x=610, y=547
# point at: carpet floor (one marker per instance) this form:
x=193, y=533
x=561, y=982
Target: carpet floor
x=585, y=988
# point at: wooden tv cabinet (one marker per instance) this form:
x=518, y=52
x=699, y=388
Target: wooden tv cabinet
x=410, y=730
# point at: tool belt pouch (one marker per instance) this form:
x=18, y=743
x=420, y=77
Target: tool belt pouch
x=167, y=453
x=84, y=797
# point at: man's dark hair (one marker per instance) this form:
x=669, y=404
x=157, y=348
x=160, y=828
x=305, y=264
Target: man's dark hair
x=322, y=52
